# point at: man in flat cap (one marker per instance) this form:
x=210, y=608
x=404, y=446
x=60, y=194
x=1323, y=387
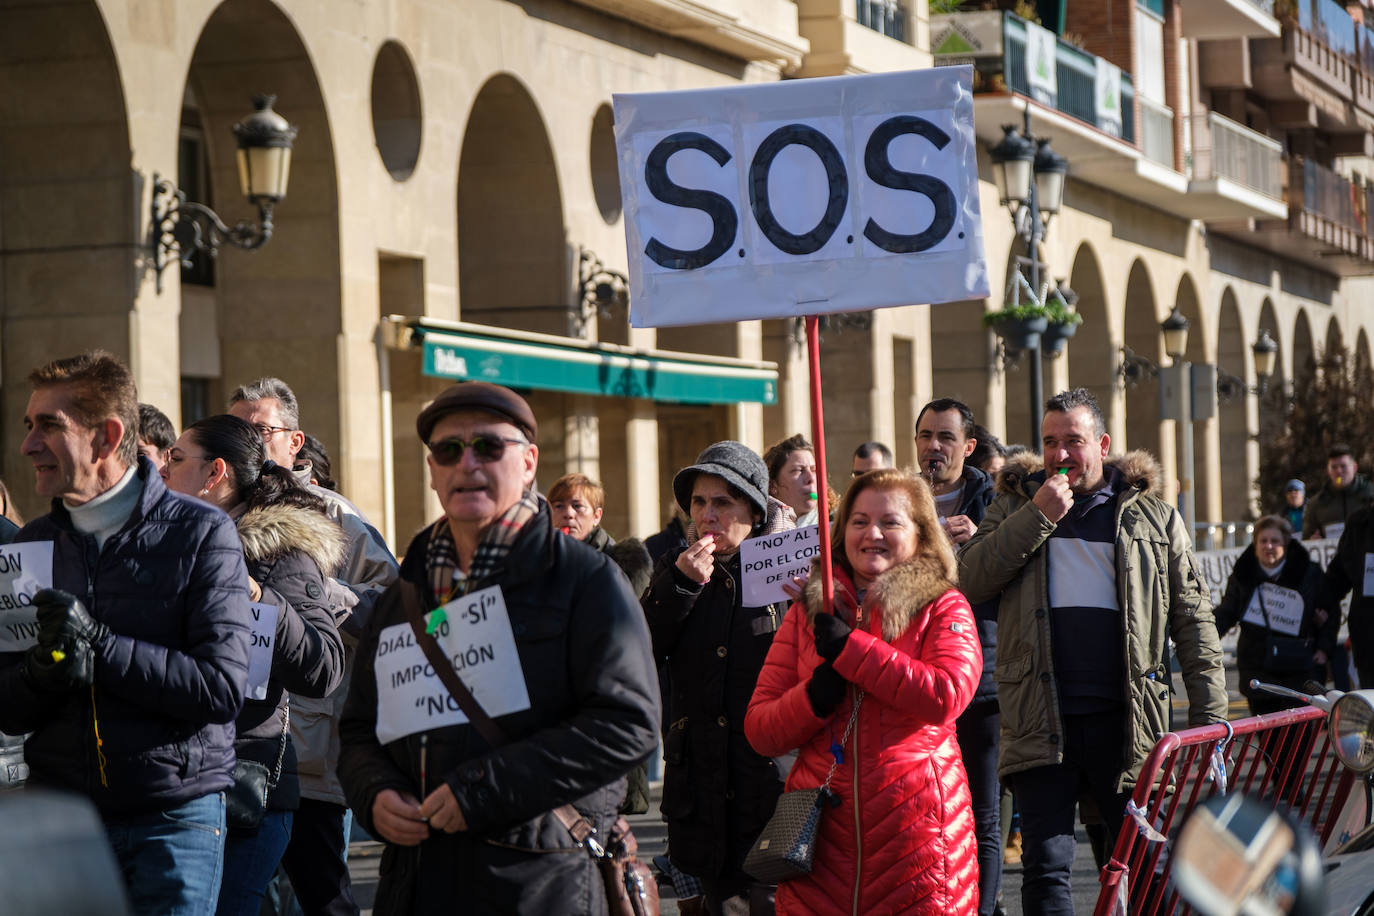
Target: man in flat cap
x=546, y=635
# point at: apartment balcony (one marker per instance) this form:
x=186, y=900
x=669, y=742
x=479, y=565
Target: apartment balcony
x=1237, y=173
x=1205, y=20
x=1092, y=123
x=862, y=36
x=1309, y=71
x=1328, y=225
x=753, y=30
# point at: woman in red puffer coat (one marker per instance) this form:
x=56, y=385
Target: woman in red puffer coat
x=901, y=839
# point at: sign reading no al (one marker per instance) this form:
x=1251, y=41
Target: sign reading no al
x=800, y=197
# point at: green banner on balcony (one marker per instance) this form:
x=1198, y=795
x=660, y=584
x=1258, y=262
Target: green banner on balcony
x=531, y=364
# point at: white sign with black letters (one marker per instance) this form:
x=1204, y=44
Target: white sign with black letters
x=24, y=569
x=1283, y=605
x=800, y=197
x=260, y=654
x=474, y=633
x=1368, y=575
x=769, y=561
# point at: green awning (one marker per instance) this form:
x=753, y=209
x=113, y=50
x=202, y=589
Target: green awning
x=456, y=350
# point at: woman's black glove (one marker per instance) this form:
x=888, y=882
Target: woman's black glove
x=825, y=690
x=831, y=635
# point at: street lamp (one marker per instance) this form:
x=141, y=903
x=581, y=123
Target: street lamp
x=1266, y=352
x=181, y=227
x=1178, y=402
x=1030, y=183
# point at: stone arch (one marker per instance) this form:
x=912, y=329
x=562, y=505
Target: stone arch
x=1361, y=354
x=68, y=201
x=513, y=261
x=1304, y=352
x=1142, y=338
x=1092, y=354
x=1233, y=422
x=277, y=310
x=1335, y=340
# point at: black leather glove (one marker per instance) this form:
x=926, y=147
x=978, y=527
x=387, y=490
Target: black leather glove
x=831, y=635
x=59, y=671
x=826, y=689
x=62, y=619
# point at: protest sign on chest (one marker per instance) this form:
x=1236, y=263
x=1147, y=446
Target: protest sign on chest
x=800, y=197
x=260, y=653
x=475, y=635
x=771, y=560
x=1282, y=605
x=24, y=569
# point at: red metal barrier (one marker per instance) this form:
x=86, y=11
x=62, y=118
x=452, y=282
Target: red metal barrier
x=1280, y=757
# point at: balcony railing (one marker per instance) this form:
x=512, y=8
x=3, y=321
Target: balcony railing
x=1237, y=153
x=1156, y=131
x=1075, y=74
x=1330, y=195
x=885, y=16
x=1329, y=21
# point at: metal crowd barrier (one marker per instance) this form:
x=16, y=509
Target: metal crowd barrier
x=1280, y=757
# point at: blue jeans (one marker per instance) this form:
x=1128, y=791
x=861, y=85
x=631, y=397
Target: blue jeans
x=250, y=860
x=172, y=861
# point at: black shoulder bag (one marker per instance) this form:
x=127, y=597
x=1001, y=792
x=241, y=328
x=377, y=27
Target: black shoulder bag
x=245, y=804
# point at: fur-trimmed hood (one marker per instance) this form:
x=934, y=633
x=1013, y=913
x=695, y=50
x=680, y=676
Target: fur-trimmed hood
x=271, y=532
x=897, y=596
x=1138, y=468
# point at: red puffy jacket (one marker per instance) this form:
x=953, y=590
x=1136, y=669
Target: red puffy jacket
x=902, y=839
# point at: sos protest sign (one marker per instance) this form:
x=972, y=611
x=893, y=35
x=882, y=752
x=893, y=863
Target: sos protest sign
x=24, y=569
x=475, y=635
x=768, y=561
x=800, y=197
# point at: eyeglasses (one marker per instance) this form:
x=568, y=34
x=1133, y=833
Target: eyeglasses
x=486, y=447
x=267, y=432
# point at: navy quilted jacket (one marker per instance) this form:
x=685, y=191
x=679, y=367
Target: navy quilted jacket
x=172, y=587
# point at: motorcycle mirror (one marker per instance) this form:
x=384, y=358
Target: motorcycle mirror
x=1352, y=730
x=1239, y=857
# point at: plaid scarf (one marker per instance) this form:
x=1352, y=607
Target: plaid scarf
x=441, y=556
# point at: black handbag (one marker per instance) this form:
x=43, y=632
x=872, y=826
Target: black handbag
x=1285, y=654
x=786, y=848
x=245, y=803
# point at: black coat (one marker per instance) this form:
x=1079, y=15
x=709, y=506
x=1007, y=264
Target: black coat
x=717, y=792
x=286, y=547
x=978, y=492
x=1345, y=576
x=593, y=715
x=1301, y=574
x=169, y=681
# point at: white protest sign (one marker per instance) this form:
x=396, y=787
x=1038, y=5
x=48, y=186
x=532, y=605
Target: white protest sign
x=1215, y=565
x=1333, y=530
x=1368, y=574
x=800, y=197
x=24, y=569
x=260, y=654
x=770, y=560
x=475, y=635
x=1283, y=605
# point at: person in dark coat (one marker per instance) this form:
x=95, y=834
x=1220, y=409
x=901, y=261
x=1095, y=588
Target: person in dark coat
x=470, y=827
x=717, y=791
x=13, y=770
x=1348, y=574
x=287, y=542
x=945, y=445
x=141, y=663
x=1275, y=566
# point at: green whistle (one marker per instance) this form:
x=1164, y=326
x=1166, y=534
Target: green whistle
x=436, y=620
x=1064, y=472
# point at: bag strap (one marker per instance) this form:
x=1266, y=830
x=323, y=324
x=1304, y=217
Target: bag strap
x=844, y=739
x=281, y=751
x=1259, y=596
x=576, y=825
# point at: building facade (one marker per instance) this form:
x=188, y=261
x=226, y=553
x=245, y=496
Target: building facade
x=454, y=211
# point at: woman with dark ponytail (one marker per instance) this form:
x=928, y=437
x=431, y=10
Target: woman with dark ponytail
x=289, y=544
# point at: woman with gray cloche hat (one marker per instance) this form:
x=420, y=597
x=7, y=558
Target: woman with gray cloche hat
x=717, y=792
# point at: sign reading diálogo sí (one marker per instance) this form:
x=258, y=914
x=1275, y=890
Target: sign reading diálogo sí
x=800, y=197
x=24, y=569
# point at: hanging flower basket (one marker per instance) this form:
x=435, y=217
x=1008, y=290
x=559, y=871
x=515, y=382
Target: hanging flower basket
x=1053, y=339
x=1019, y=326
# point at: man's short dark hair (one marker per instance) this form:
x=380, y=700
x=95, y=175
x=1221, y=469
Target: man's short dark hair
x=270, y=387
x=940, y=405
x=154, y=428
x=1340, y=450
x=866, y=451
x=1065, y=401
x=102, y=387
x=779, y=452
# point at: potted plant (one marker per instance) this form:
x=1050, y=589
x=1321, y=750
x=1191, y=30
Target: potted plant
x=1062, y=324
x=1019, y=326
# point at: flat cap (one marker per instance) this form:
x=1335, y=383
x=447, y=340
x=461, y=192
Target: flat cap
x=494, y=399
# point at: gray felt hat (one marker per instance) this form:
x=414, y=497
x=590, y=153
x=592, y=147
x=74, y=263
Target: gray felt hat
x=734, y=461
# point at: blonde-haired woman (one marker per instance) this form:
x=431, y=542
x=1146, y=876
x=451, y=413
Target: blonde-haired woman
x=901, y=645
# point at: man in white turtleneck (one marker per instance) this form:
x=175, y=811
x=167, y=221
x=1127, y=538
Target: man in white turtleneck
x=141, y=660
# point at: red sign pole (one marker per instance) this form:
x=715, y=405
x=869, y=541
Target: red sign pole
x=813, y=360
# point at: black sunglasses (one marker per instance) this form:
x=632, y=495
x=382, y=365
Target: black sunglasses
x=485, y=446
